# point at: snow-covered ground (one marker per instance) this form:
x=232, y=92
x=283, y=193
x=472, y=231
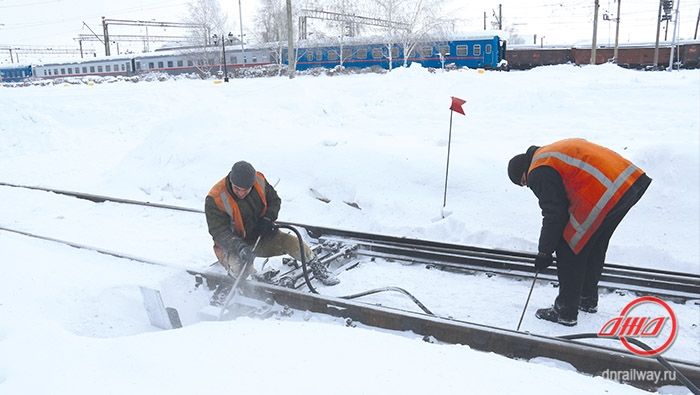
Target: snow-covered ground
x=72, y=321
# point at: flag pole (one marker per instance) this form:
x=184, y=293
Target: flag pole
x=455, y=106
x=447, y=168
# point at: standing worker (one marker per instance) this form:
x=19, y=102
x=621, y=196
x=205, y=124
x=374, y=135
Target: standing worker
x=241, y=211
x=584, y=191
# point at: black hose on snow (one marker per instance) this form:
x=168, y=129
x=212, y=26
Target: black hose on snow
x=302, y=252
x=689, y=384
x=373, y=291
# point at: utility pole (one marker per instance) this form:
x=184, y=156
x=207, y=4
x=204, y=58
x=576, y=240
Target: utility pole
x=106, y=34
x=240, y=17
x=617, y=31
x=291, y=57
x=658, y=31
x=695, y=36
x=673, y=39
x=594, y=44
x=667, y=6
x=499, y=18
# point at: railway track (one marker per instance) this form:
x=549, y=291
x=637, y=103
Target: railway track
x=342, y=249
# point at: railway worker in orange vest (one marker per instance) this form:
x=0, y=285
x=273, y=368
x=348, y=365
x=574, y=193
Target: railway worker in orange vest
x=584, y=191
x=243, y=207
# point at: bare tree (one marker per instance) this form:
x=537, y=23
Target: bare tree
x=271, y=21
x=411, y=22
x=211, y=20
x=208, y=15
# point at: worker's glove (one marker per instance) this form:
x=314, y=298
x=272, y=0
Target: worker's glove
x=266, y=227
x=246, y=254
x=543, y=261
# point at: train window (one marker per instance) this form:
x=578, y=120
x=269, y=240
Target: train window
x=394, y=52
x=488, y=48
x=244, y=60
x=70, y=70
x=347, y=54
x=128, y=66
x=84, y=70
x=99, y=69
x=92, y=69
x=190, y=63
x=319, y=55
x=55, y=71
x=179, y=63
x=160, y=64
x=462, y=50
x=332, y=55
x=77, y=70
x=377, y=53
x=255, y=59
x=234, y=59
x=108, y=68
x=412, y=53
x=151, y=65
x=362, y=54
x=477, y=49
x=425, y=51
x=63, y=71
x=309, y=56
x=444, y=50
x=170, y=63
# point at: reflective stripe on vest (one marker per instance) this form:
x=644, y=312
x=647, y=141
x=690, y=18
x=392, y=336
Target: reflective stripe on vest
x=594, y=178
x=226, y=202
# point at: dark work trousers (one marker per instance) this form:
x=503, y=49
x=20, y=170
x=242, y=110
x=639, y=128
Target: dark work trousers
x=580, y=273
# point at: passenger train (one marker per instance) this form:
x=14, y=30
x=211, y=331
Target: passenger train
x=475, y=52
x=488, y=52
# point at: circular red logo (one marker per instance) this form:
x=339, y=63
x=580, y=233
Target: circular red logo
x=630, y=326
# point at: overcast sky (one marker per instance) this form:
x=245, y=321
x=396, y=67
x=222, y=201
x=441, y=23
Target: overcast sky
x=57, y=23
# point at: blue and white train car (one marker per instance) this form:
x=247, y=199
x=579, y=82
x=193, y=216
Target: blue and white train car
x=476, y=52
x=15, y=73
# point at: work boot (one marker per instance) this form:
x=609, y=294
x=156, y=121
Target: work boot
x=322, y=273
x=551, y=314
x=588, y=304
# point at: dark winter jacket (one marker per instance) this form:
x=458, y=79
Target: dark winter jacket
x=220, y=223
x=547, y=185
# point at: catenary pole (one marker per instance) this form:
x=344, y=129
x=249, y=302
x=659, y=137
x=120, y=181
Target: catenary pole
x=673, y=38
x=240, y=18
x=658, y=32
x=291, y=58
x=617, y=31
x=594, y=44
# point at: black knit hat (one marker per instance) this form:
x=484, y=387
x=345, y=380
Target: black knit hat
x=516, y=167
x=242, y=175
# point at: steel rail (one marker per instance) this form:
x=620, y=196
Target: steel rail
x=467, y=258
x=585, y=357
x=460, y=257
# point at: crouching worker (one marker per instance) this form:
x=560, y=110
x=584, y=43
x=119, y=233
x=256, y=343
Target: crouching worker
x=242, y=208
x=584, y=191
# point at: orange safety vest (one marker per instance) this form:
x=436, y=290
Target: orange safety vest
x=226, y=202
x=594, y=177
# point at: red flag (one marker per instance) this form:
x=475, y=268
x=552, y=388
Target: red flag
x=457, y=105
